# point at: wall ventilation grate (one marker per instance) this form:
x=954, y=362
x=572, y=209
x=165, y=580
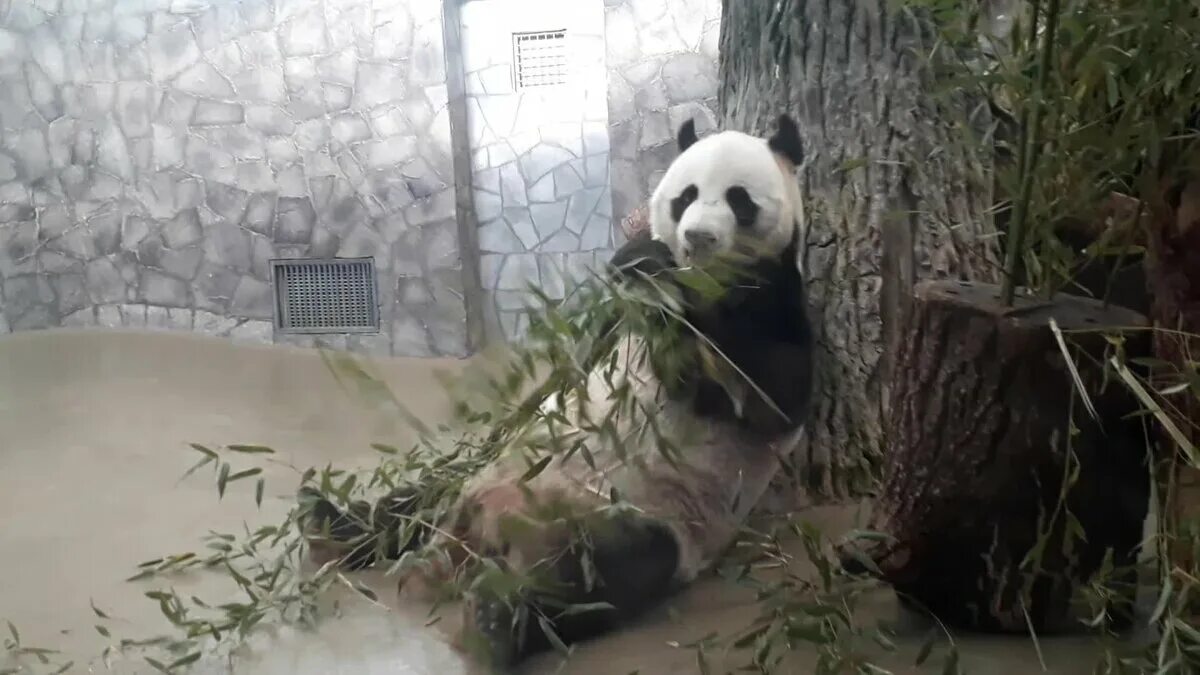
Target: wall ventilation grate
x=334, y=295
x=540, y=59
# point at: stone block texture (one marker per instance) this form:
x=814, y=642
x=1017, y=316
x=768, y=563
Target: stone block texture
x=662, y=69
x=155, y=155
x=540, y=154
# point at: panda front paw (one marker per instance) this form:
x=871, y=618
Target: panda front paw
x=640, y=257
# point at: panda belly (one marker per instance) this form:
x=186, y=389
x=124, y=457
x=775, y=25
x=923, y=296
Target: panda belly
x=702, y=498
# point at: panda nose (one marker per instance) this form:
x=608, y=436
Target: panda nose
x=700, y=239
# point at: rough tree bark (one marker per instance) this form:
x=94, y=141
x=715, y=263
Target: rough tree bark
x=980, y=448
x=1173, y=272
x=891, y=192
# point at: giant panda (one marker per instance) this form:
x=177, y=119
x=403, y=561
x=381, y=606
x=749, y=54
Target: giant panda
x=727, y=197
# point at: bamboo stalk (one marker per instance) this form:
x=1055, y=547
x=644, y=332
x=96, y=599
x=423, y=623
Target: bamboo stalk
x=1028, y=153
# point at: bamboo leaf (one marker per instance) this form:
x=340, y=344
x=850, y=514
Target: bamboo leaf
x=251, y=449
x=96, y=610
x=1164, y=599
x=553, y=637
x=210, y=454
x=1079, y=386
x=222, y=479
x=584, y=608
x=1163, y=418
x=244, y=474
x=536, y=469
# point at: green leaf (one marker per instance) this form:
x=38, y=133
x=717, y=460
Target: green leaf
x=197, y=466
x=16, y=635
x=222, y=479
x=1187, y=629
x=347, y=486
x=366, y=592
x=1164, y=598
x=103, y=631
x=385, y=449
x=868, y=535
x=96, y=610
x=245, y=474
x=553, y=637
x=252, y=449
x=884, y=641
x=584, y=608
x=258, y=491
x=211, y=455
x=184, y=661
x=536, y=469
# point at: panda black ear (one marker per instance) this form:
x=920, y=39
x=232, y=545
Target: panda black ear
x=786, y=141
x=687, y=135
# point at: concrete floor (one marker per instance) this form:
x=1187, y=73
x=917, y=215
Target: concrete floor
x=94, y=429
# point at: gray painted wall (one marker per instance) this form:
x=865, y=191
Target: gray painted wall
x=540, y=155
x=156, y=154
x=662, y=69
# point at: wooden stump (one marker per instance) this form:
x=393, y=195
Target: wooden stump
x=1173, y=262
x=979, y=452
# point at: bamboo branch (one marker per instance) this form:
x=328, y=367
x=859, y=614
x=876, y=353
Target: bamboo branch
x=1028, y=153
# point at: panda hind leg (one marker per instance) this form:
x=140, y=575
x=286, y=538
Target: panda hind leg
x=359, y=535
x=626, y=568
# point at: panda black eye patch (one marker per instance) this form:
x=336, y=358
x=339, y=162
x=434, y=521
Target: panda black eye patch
x=745, y=211
x=684, y=200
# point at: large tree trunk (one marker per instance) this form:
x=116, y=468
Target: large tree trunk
x=892, y=194
x=1173, y=274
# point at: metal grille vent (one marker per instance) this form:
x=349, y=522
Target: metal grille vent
x=325, y=296
x=540, y=59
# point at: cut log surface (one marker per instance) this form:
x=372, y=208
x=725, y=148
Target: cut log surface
x=979, y=451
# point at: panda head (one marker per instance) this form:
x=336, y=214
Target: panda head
x=729, y=193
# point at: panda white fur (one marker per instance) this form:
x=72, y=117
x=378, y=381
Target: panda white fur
x=727, y=193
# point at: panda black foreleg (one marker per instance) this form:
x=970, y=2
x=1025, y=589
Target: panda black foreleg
x=359, y=535
x=782, y=375
x=641, y=256
x=772, y=382
x=622, y=566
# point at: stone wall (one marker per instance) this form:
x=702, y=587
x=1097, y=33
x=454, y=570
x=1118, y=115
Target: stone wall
x=540, y=154
x=662, y=69
x=156, y=154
